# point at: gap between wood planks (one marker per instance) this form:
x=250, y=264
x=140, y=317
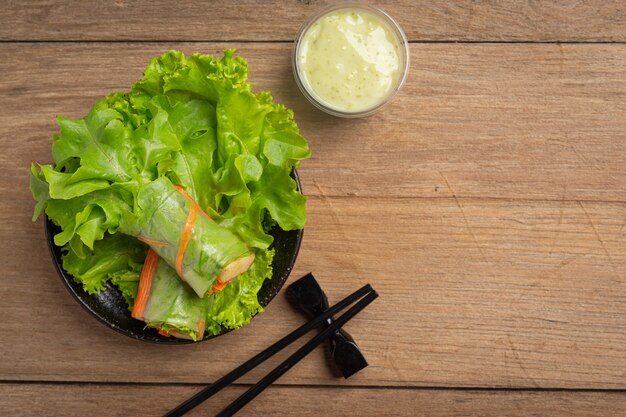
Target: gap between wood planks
x=435, y=198
x=283, y=41
x=464, y=198
x=305, y=386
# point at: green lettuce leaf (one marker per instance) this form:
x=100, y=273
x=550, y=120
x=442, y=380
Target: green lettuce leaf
x=118, y=257
x=128, y=284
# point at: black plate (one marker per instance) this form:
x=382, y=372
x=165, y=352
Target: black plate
x=110, y=308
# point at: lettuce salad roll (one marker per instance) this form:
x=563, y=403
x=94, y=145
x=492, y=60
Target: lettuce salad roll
x=178, y=230
x=166, y=303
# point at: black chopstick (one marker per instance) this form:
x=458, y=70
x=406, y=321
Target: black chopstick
x=277, y=372
x=251, y=363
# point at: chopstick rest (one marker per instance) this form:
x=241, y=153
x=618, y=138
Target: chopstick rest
x=306, y=295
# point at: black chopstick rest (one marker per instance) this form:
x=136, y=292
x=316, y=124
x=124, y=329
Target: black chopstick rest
x=306, y=295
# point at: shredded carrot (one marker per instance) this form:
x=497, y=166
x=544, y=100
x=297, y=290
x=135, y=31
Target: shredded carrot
x=201, y=324
x=186, y=236
x=192, y=201
x=219, y=286
x=164, y=333
x=145, y=281
x=152, y=242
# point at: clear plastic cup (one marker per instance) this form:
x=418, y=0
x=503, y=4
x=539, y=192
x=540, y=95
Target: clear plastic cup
x=325, y=104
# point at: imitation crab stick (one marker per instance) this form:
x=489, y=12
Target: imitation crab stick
x=219, y=286
x=145, y=282
x=192, y=201
x=152, y=242
x=186, y=236
x=201, y=327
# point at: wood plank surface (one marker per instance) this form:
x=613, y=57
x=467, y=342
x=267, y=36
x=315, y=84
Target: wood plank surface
x=474, y=292
x=545, y=122
x=485, y=204
x=104, y=400
x=422, y=20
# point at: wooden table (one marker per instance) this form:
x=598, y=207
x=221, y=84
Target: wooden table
x=486, y=204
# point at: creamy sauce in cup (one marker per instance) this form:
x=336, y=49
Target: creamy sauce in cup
x=350, y=60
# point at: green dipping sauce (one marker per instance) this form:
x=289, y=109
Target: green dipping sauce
x=350, y=60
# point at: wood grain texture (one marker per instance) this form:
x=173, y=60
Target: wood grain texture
x=486, y=204
x=422, y=20
x=477, y=289
x=516, y=121
x=474, y=292
x=104, y=400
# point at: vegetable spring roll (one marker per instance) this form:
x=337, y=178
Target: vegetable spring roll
x=202, y=252
x=166, y=303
